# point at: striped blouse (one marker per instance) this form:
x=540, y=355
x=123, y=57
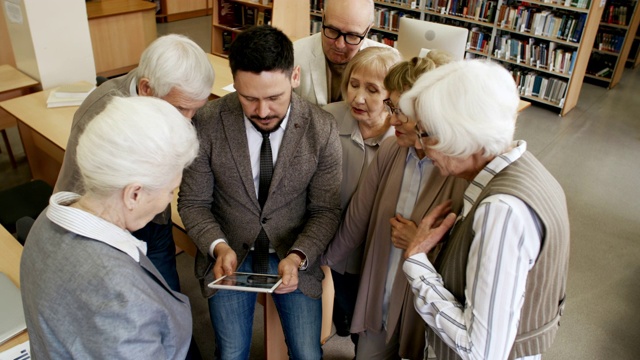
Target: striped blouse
x=486, y=326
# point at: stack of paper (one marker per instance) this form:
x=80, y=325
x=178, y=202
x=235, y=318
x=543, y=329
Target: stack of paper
x=69, y=95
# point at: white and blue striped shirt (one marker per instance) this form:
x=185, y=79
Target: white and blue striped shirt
x=88, y=225
x=506, y=242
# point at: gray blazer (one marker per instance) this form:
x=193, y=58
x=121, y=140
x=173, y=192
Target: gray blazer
x=69, y=178
x=218, y=197
x=84, y=299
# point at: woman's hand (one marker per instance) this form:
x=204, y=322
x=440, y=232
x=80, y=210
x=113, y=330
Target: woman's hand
x=432, y=229
x=403, y=231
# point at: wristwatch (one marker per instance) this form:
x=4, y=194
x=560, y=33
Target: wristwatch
x=302, y=256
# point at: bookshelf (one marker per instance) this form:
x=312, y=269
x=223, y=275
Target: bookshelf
x=613, y=42
x=230, y=17
x=173, y=10
x=633, y=60
x=545, y=44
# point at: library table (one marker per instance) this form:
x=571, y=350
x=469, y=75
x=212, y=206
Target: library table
x=10, y=254
x=13, y=83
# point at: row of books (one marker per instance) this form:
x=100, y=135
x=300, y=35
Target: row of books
x=479, y=10
x=413, y=4
x=383, y=38
x=542, y=56
x=567, y=27
x=478, y=40
x=387, y=18
x=609, y=42
x=316, y=5
x=615, y=15
x=238, y=16
x=601, y=65
x=535, y=85
x=315, y=26
x=581, y=4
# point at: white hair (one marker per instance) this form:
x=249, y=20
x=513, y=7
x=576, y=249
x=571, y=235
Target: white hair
x=175, y=61
x=137, y=139
x=468, y=106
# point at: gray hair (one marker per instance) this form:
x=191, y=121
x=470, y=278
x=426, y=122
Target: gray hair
x=370, y=6
x=175, y=61
x=137, y=139
x=378, y=60
x=468, y=106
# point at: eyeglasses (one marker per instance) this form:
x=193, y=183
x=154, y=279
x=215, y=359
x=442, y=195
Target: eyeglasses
x=393, y=110
x=350, y=38
x=421, y=134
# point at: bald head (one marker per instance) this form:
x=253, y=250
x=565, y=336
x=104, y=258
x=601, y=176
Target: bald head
x=351, y=8
x=346, y=16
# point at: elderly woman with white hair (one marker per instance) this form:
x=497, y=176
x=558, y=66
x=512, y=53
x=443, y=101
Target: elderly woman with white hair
x=399, y=188
x=497, y=288
x=88, y=288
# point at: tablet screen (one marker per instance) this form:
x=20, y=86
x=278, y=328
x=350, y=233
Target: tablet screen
x=247, y=282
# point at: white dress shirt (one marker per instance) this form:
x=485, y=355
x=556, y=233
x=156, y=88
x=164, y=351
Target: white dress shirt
x=505, y=247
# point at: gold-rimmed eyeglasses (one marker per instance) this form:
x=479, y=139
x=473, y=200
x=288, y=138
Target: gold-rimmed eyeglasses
x=393, y=110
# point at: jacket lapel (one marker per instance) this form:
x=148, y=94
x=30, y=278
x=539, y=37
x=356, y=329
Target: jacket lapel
x=146, y=264
x=232, y=119
x=319, y=74
x=296, y=127
x=428, y=196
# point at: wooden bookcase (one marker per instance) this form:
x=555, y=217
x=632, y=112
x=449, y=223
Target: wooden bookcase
x=633, y=60
x=172, y=10
x=613, y=43
x=290, y=16
x=491, y=31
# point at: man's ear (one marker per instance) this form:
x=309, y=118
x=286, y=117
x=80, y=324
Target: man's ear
x=295, y=77
x=144, y=89
x=131, y=195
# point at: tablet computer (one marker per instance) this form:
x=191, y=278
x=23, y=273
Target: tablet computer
x=247, y=282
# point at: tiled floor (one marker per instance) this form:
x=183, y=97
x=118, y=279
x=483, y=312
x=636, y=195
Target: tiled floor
x=591, y=152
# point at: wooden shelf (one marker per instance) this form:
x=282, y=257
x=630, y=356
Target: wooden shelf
x=290, y=16
x=556, y=6
x=554, y=73
x=388, y=31
x=459, y=18
x=606, y=52
x=630, y=35
x=397, y=6
x=258, y=5
x=477, y=52
x=615, y=26
x=547, y=38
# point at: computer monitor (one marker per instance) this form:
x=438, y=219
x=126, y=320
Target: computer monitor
x=414, y=35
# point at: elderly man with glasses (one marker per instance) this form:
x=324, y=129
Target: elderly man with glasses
x=322, y=57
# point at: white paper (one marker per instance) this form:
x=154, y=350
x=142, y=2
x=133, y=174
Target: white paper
x=229, y=88
x=18, y=352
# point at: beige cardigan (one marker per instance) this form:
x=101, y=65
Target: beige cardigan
x=367, y=218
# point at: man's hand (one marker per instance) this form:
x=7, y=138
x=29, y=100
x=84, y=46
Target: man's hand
x=226, y=260
x=431, y=230
x=288, y=269
x=403, y=232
